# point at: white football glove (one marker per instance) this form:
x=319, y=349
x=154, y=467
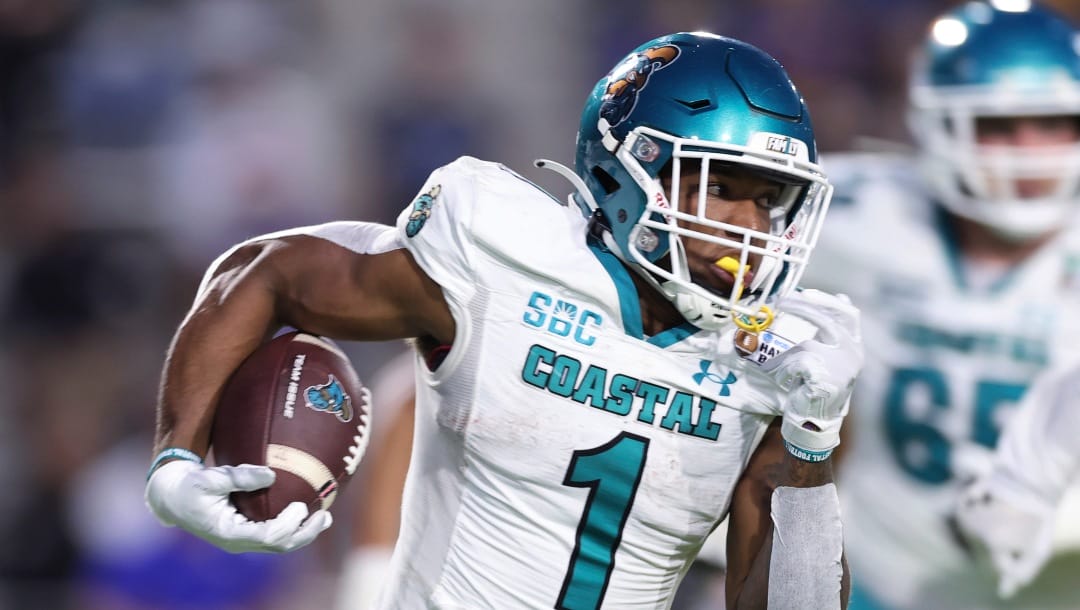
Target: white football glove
x=1014, y=529
x=819, y=373
x=196, y=498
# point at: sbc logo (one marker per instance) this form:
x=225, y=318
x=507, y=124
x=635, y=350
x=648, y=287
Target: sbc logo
x=561, y=318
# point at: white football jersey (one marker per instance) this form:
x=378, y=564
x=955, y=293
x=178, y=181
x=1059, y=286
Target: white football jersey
x=562, y=459
x=946, y=360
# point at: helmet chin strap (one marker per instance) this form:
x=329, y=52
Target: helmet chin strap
x=697, y=310
x=707, y=315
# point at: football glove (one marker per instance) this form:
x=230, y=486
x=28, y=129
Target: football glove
x=196, y=498
x=1014, y=529
x=819, y=373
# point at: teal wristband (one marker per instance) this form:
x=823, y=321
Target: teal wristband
x=806, y=455
x=173, y=453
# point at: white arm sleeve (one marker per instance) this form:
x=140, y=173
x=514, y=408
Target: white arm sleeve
x=360, y=237
x=1011, y=510
x=805, y=570
x=1037, y=451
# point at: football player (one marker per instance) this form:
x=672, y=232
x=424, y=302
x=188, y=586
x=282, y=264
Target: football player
x=964, y=264
x=600, y=382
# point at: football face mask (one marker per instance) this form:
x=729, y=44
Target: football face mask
x=704, y=101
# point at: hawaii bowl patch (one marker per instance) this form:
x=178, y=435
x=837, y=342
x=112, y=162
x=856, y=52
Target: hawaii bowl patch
x=421, y=211
x=761, y=347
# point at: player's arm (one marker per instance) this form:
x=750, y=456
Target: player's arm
x=1009, y=512
x=785, y=541
x=300, y=281
x=751, y=530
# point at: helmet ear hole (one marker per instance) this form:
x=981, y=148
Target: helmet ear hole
x=606, y=180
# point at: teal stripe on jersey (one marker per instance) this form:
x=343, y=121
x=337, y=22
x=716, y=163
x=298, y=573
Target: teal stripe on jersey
x=629, y=306
x=672, y=336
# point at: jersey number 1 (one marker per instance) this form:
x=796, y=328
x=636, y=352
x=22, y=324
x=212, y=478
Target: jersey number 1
x=612, y=472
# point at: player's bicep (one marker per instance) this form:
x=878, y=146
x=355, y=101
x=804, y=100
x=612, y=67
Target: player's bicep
x=324, y=288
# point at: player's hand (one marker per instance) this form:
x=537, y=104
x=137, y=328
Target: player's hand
x=1015, y=530
x=818, y=374
x=196, y=498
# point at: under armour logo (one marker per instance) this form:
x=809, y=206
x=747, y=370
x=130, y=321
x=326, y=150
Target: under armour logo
x=722, y=381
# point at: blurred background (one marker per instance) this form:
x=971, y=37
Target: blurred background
x=140, y=138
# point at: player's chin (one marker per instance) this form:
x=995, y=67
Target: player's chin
x=714, y=282
x=722, y=284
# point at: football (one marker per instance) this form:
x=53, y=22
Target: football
x=297, y=405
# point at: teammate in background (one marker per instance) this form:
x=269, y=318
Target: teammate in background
x=598, y=383
x=1012, y=511
x=964, y=263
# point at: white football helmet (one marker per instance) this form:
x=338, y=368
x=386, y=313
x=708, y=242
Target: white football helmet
x=998, y=59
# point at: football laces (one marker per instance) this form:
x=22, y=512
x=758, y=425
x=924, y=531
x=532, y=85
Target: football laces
x=360, y=440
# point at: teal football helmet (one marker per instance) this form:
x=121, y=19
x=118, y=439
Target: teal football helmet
x=1004, y=58
x=701, y=99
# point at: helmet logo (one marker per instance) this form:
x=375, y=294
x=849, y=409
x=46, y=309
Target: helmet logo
x=630, y=77
x=421, y=210
x=782, y=144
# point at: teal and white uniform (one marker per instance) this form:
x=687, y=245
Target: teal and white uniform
x=562, y=459
x=949, y=351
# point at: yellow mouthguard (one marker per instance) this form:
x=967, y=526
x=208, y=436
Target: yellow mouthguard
x=763, y=318
x=731, y=265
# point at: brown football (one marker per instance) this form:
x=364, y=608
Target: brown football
x=296, y=405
